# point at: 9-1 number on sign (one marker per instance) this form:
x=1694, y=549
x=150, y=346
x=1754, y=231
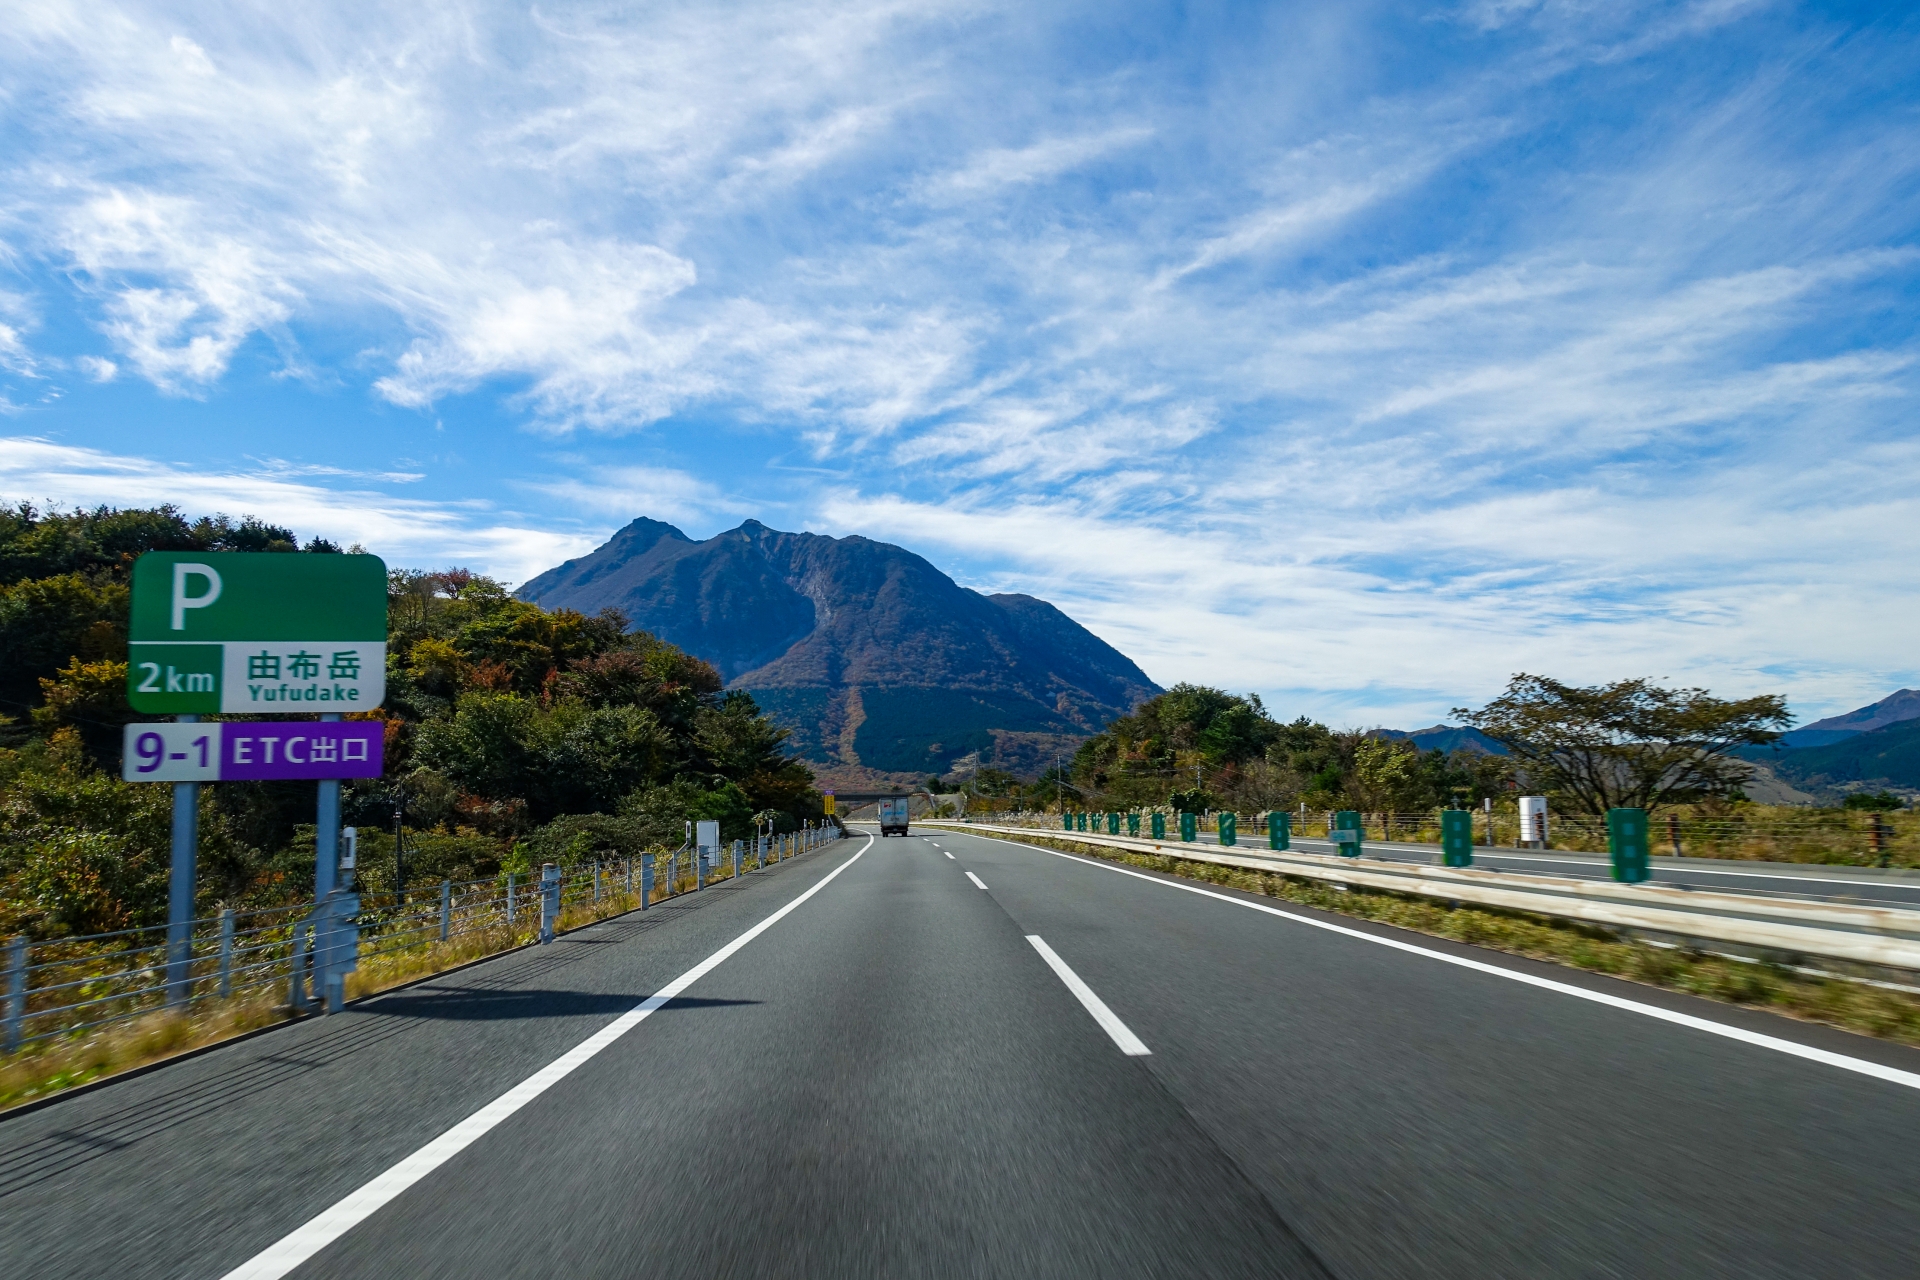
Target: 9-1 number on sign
x=151, y=748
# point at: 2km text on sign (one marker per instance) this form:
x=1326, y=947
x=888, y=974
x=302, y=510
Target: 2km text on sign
x=290, y=634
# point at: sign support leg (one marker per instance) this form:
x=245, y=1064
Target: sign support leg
x=186, y=833
x=326, y=866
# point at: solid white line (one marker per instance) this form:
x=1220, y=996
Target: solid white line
x=1892, y=1075
x=330, y=1224
x=1130, y=1044
x=978, y=883
x=950, y=855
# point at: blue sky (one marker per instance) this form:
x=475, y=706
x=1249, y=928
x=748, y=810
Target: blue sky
x=1360, y=355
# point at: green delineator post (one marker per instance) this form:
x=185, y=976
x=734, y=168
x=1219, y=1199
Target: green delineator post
x=1348, y=820
x=1113, y=824
x=1627, y=845
x=1066, y=820
x=1079, y=822
x=1158, y=826
x=1189, y=826
x=1279, y=830
x=1133, y=824
x=1229, y=828
x=1456, y=837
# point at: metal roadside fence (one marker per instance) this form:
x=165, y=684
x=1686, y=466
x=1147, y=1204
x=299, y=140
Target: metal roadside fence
x=69, y=986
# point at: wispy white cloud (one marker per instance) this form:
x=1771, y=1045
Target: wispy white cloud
x=998, y=167
x=663, y=493
x=180, y=334
x=404, y=532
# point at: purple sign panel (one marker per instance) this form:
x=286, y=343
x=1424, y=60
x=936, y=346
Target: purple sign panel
x=293, y=750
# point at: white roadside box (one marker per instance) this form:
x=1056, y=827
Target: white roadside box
x=1533, y=822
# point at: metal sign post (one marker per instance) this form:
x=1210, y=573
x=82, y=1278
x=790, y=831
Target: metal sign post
x=180, y=886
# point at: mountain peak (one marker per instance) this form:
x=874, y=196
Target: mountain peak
x=1898, y=706
x=870, y=654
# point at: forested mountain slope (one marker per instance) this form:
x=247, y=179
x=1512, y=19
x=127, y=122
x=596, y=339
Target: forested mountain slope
x=870, y=654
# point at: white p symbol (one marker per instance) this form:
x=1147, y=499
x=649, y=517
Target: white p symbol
x=182, y=601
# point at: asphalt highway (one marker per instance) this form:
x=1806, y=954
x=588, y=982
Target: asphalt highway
x=953, y=1055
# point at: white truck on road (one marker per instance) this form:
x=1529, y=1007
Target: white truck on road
x=893, y=816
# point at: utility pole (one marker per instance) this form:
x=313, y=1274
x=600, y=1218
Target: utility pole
x=399, y=860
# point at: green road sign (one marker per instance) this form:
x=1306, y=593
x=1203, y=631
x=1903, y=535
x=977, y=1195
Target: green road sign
x=1279, y=831
x=1229, y=828
x=1456, y=837
x=1346, y=833
x=1189, y=826
x=259, y=632
x=1627, y=844
x=1158, y=826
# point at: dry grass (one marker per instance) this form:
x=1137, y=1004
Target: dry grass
x=58, y=1064
x=1851, y=1006
x=54, y=1065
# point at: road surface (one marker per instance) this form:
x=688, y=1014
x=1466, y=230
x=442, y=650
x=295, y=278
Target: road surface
x=954, y=1055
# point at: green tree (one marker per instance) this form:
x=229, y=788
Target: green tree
x=1384, y=773
x=1873, y=801
x=1630, y=744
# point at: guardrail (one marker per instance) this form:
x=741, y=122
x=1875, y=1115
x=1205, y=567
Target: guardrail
x=70, y=986
x=1857, y=839
x=1791, y=927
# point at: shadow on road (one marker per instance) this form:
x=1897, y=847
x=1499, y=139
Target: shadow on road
x=491, y=1006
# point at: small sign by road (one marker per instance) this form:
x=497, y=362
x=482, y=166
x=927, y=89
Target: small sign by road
x=257, y=632
x=258, y=751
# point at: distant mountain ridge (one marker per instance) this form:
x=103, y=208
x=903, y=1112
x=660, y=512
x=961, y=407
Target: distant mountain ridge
x=871, y=655
x=1446, y=737
x=1885, y=757
x=1901, y=705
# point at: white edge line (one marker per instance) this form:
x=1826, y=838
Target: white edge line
x=978, y=883
x=1892, y=1075
x=1130, y=1044
x=277, y=1259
